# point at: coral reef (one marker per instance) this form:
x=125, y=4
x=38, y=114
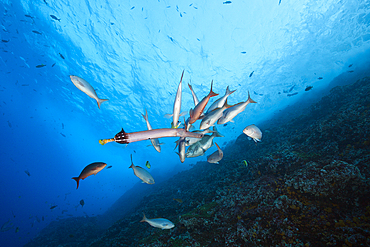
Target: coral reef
x=307, y=184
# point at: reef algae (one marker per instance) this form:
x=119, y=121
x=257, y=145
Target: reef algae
x=306, y=184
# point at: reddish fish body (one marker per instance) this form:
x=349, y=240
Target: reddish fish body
x=125, y=138
x=199, y=108
x=91, y=169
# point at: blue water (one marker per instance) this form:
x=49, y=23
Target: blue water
x=133, y=53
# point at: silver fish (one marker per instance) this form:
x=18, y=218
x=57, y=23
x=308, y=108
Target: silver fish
x=154, y=141
x=191, y=140
x=203, y=145
x=216, y=156
x=85, y=87
x=158, y=222
x=211, y=117
x=195, y=98
x=181, y=144
x=253, y=132
x=142, y=173
x=221, y=101
x=177, y=106
x=233, y=111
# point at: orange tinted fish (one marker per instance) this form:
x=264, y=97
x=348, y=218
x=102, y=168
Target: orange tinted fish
x=91, y=169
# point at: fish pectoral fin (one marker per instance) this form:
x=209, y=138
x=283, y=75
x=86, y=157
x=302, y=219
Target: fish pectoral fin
x=183, y=113
x=168, y=115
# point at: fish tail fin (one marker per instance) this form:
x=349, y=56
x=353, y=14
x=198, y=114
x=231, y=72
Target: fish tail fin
x=182, y=76
x=144, y=218
x=218, y=146
x=177, y=143
x=191, y=88
x=101, y=101
x=145, y=116
x=216, y=133
x=77, y=180
x=168, y=115
x=228, y=92
x=250, y=99
x=227, y=105
x=211, y=93
x=132, y=163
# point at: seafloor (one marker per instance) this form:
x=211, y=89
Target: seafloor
x=306, y=184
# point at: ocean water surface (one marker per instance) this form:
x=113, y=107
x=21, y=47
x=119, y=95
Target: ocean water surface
x=286, y=54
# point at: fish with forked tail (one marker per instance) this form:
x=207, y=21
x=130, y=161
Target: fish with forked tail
x=199, y=148
x=85, y=87
x=211, y=117
x=158, y=222
x=154, y=141
x=199, y=108
x=181, y=153
x=141, y=173
x=91, y=169
x=221, y=101
x=216, y=156
x=177, y=106
x=233, y=111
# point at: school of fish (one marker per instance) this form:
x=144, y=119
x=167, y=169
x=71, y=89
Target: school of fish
x=197, y=141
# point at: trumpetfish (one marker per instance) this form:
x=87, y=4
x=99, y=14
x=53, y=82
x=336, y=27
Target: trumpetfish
x=124, y=138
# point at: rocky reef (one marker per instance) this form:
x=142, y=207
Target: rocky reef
x=306, y=184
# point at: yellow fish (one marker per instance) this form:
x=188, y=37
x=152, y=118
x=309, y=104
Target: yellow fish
x=245, y=163
x=147, y=164
x=178, y=200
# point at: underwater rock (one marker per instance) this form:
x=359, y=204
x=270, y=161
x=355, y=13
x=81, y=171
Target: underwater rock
x=306, y=184
x=327, y=180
